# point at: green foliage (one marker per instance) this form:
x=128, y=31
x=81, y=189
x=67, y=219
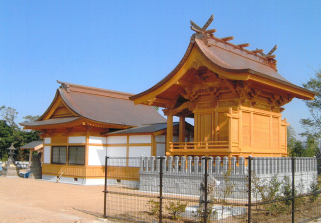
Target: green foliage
x=175, y=209
x=9, y=115
x=287, y=190
x=200, y=212
x=314, y=187
x=153, y=206
x=291, y=138
x=30, y=118
x=5, y=138
x=271, y=192
x=313, y=126
x=308, y=148
x=11, y=133
x=258, y=186
x=229, y=186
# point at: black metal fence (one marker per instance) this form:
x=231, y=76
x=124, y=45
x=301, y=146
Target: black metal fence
x=166, y=189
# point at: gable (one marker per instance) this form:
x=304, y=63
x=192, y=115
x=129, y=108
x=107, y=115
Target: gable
x=62, y=112
x=58, y=109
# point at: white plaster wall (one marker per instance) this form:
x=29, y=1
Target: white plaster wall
x=120, y=153
x=97, y=140
x=117, y=151
x=160, y=138
x=46, y=154
x=160, y=149
x=138, y=151
x=96, y=155
x=116, y=139
x=47, y=140
x=140, y=139
x=77, y=139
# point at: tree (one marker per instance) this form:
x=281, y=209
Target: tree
x=297, y=150
x=5, y=138
x=291, y=138
x=30, y=118
x=313, y=125
x=9, y=115
x=11, y=133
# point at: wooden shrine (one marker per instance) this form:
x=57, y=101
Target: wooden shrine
x=234, y=95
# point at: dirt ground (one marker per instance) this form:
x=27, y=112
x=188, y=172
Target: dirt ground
x=29, y=200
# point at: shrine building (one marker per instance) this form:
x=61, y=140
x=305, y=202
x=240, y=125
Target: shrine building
x=234, y=95
x=84, y=124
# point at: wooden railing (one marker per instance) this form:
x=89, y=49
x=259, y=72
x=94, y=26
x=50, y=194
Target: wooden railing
x=209, y=145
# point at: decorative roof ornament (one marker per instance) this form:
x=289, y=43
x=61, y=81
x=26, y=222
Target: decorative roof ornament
x=205, y=33
x=269, y=54
x=203, y=30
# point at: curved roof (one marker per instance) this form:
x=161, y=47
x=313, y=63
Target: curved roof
x=98, y=105
x=230, y=58
x=50, y=122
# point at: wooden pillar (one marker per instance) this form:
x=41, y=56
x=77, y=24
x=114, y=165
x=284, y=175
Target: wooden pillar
x=181, y=129
x=169, y=137
x=230, y=130
x=30, y=157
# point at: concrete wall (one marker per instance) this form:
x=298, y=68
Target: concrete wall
x=184, y=176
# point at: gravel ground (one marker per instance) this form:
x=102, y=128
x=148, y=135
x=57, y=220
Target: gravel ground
x=29, y=200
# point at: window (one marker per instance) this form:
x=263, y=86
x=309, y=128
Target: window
x=59, y=154
x=76, y=155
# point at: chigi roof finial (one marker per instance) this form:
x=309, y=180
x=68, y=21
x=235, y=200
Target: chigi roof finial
x=203, y=30
x=269, y=54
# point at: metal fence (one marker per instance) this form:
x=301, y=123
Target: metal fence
x=207, y=189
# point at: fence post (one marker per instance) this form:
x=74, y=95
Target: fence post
x=105, y=191
x=250, y=190
x=205, y=192
x=160, y=189
x=293, y=186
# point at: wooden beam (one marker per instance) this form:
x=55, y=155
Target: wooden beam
x=227, y=38
x=243, y=45
x=270, y=56
x=257, y=51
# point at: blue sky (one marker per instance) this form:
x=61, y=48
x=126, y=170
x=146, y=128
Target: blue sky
x=130, y=45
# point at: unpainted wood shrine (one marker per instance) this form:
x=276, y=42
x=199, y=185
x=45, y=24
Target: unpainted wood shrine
x=234, y=95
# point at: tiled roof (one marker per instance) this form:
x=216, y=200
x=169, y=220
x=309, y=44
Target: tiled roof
x=228, y=57
x=50, y=121
x=110, y=110
x=143, y=129
x=100, y=105
x=33, y=145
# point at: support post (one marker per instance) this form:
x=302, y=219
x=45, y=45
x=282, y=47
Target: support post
x=105, y=191
x=30, y=157
x=293, y=187
x=160, y=189
x=205, y=192
x=250, y=189
x=169, y=134
x=181, y=129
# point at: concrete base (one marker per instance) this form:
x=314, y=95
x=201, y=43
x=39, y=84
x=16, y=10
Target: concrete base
x=218, y=212
x=10, y=171
x=91, y=182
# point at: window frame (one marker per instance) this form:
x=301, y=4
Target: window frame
x=84, y=155
x=52, y=155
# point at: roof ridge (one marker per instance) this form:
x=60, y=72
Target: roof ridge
x=70, y=87
x=255, y=58
x=205, y=35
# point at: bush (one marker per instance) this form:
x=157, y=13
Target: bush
x=153, y=206
x=175, y=209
